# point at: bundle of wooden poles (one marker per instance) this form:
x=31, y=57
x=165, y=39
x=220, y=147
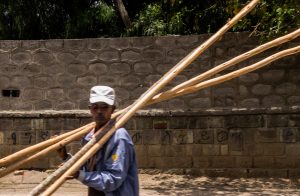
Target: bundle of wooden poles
x=152, y=95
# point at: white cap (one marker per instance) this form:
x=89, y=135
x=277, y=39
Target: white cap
x=102, y=94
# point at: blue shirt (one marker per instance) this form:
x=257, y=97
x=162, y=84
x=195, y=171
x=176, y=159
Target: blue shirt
x=115, y=170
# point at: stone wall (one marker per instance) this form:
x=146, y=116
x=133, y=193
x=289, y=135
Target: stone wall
x=232, y=142
x=247, y=127
x=57, y=74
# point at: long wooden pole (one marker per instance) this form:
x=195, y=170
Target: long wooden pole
x=32, y=149
x=168, y=77
x=191, y=89
x=46, y=151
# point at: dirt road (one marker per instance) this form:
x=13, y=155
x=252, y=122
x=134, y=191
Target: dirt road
x=21, y=182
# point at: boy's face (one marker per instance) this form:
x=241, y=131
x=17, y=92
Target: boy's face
x=101, y=112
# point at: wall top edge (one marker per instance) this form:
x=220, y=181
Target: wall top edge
x=205, y=34
x=155, y=112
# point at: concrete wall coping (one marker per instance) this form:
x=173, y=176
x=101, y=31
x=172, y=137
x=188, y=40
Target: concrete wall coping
x=154, y=112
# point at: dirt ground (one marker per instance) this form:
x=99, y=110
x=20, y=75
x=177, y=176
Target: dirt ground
x=21, y=182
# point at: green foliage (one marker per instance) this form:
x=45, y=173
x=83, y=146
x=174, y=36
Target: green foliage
x=49, y=19
x=271, y=18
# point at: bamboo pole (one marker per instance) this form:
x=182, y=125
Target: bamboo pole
x=32, y=149
x=47, y=150
x=161, y=83
x=191, y=89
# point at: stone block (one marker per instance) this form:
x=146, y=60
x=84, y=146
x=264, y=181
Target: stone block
x=137, y=137
x=97, y=44
x=54, y=44
x=198, y=122
x=295, y=120
x=221, y=136
x=4, y=150
x=274, y=148
x=86, y=57
x=151, y=55
x=210, y=149
x=43, y=105
x=223, y=162
x=98, y=68
x=178, y=123
x=249, y=78
x=176, y=54
x=292, y=149
x=263, y=162
x=288, y=134
x=144, y=162
x=56, y=94
x=174, y=150
x=157, y=150
x=42, y=135
x=224, y=149
x=200, y=103
x=120, y=68
x=30, y=44
x=130, y=82
x=249, y=135
x=4, y=57
x=274, y=75
x=53, y=124
x=26, y=137
x=119, y=43
x=284, y=162
x=131, y=56
x=78, y=93
x=65, y=57
x=66, y=80
x=70, y=124
x=43, y=58
x=76, y=69
x=33, y=94
x=21, y=57
x=144, y=123
x=31, y=69
x=74, y=44
x=261, y=89
x=244, y=121
x=142, y=150
x=273, y=100
x=21, y=82
x=277, y=120
x=293, y=100
x=215, y=122
x=251, y=102
x=6, y=124
x=65, y=106
x=143, y=68
x=87, y=80
x=201, y=162
x=37, y=124
x=204, y=136
x=286, y=88
x=151, y=137
x=243, y=162
x=293, y=173
x=21, y=124
x=236, y=140
x=257, y=173
x=278, y=173
x=43, y=82
x=182, y=137
x=167, y=137
x=267, y=135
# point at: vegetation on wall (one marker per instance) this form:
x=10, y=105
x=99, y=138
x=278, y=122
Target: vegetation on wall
x=49, y=19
